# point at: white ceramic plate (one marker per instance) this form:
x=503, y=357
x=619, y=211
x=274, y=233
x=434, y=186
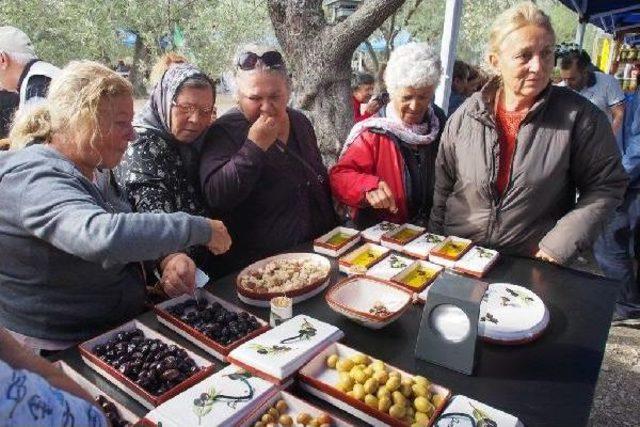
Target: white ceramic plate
x=357, y=297
x=511, y=314
x=300, y=294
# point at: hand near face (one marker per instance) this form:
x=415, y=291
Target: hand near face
x=178, y=275
x=220, y=241
x=264, y=131
x=382, y=198
x=372, y=106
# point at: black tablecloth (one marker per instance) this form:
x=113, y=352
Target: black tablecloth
x=548, y=382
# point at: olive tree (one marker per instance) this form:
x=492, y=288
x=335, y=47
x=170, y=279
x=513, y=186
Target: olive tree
x=319, y=56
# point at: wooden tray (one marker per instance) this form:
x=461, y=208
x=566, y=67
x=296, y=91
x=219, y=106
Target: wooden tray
x=94, y=391
x=145, y=398
x=206, y=343
x=319, y=380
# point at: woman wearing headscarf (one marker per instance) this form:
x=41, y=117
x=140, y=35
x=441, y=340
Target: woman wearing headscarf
x=159, y=171
x=386, y=167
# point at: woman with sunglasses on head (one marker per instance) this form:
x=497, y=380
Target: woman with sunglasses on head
x=261, y=169
x=159, y=171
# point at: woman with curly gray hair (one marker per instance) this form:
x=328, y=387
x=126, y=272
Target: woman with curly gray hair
x=385, y=169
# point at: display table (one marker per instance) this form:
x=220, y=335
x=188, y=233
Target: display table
x=548, y=382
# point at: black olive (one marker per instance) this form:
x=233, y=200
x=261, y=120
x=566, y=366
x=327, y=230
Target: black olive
x=170, y=374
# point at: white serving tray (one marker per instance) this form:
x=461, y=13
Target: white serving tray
x=301, y=294
x=398, y=278
x=345, y=263
x=465, y=405
x=374, y=234
x=181, y=410
x=146, y=399
x=94, y=391
x=321, y=246
x=477, y=261
x=209, y=345
x=437, y=257
x=390, y=242
x=296, y=407
x=420, y=247
x=278, y=353
x=319, y=380
x=389, y=266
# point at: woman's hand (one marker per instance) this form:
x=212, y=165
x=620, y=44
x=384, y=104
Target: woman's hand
x=178, y=275
x=545, y=257
x=382, y=198
x=264, y=131
x=373, y=106
x=220, y=241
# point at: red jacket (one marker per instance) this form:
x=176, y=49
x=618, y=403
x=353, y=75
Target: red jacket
x=370, y=158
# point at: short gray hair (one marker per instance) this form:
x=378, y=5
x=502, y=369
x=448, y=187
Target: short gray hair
x=412, y=65
x=20, y=58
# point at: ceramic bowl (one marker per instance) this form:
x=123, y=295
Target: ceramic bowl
x=357, y=297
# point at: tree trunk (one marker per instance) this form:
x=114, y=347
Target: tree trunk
x=136, y=74
x=319, y=57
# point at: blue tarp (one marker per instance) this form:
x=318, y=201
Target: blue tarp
x=610, y=15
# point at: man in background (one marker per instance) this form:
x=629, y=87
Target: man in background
x=458, y=85
x=601, y=89
x=20, y=69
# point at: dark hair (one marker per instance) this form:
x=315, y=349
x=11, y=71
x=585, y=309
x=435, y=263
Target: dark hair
x=461, y=70
x=575, y=56
x=199, y=81
x=361, y=79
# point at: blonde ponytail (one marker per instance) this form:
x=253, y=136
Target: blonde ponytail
x=33, y=124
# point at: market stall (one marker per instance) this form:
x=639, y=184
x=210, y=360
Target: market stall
x=549, y=381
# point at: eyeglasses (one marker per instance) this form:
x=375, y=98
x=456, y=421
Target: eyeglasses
x=271, y=59
x=189, y=109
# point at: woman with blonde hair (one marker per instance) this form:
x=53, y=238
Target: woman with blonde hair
x=514, y=155
x=71, y=247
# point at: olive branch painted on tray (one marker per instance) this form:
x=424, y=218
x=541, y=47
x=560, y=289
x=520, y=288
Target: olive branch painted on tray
x=432, y=238
x=305, y=333
x=203, y=404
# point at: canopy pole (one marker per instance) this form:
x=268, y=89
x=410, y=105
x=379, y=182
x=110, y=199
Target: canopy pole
x=448, y=49
x=582, y=25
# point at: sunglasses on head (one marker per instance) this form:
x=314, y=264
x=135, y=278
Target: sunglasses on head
x=271, y=59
